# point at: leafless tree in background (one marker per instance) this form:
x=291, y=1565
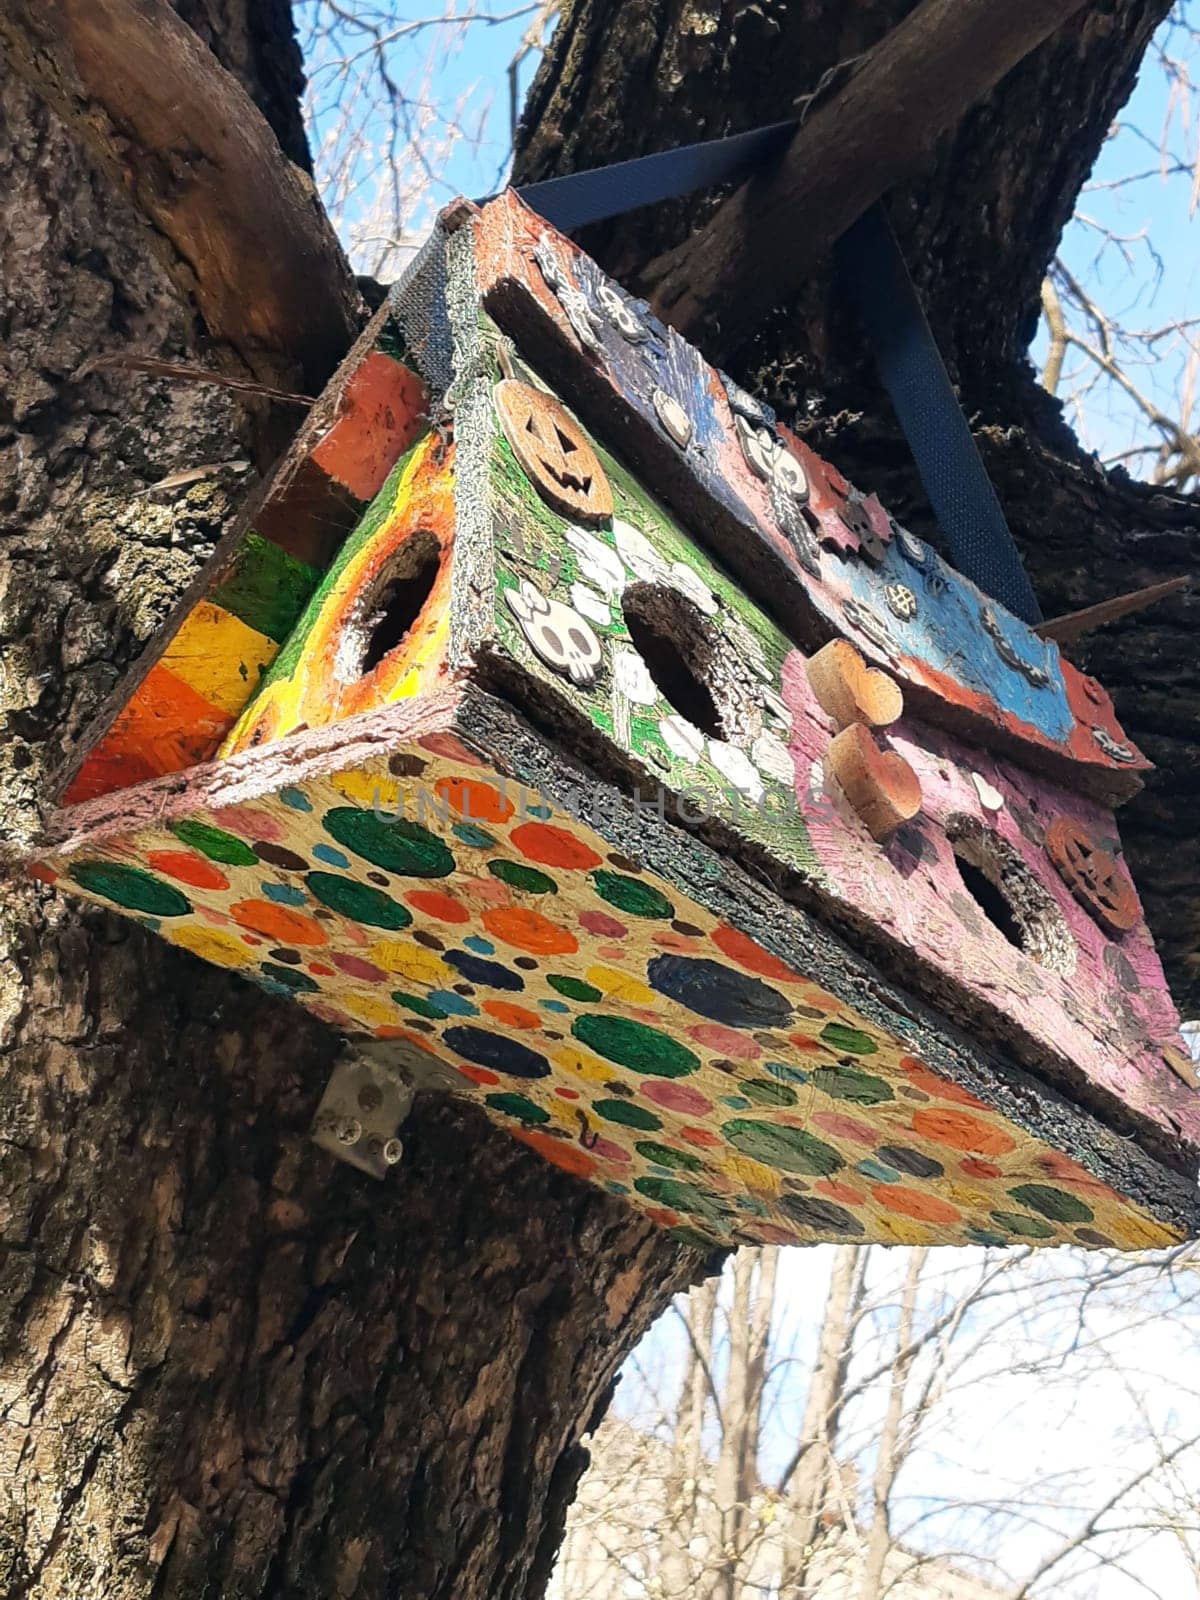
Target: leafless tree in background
x=863, y=1452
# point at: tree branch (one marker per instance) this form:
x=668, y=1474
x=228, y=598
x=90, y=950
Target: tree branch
x=238, y=227
x=849, y=150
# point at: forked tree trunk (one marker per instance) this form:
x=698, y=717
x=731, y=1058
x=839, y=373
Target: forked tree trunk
x=228, y=1366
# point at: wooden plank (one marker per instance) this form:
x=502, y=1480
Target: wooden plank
x=630, y=1005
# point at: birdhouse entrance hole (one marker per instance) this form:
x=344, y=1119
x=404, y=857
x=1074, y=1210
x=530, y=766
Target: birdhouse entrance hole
x=392, y=607
x=1009, y=895
x=684, y=655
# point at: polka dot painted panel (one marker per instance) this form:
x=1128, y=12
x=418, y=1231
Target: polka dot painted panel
x=617, y=1027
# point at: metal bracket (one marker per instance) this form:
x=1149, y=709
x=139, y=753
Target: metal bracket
x=369, y=1094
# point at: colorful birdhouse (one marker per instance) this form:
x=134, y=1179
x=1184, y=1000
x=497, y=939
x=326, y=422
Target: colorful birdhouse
x=560, y=719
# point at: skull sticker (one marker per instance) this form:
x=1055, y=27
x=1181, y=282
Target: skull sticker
x=557, y=635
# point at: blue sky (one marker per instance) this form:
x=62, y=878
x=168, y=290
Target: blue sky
x=450, y=68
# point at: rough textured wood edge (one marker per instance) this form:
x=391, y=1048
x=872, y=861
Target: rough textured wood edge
x=275, y=485
x=1073, y=624
x=253, y=773
x=237, y=226
x=914, y=84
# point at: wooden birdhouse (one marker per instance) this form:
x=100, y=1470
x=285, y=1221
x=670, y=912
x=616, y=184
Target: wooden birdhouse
x=558, y=719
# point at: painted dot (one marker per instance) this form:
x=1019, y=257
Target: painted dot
x=397, y=846
x=330, y=856
x=846, y=1083
x=677, y=1097
x=497, y=1052
x=291, y=958
x=478, y=1075
x=481, y=947
x=429, y=940
x=214, y=843
x=526, y=929
x=841, y=1036
x=490, y=974
x=715, y=1036
x=786, y=1149
x=298, y=982
x=211, y=944
x=917, y=1204
x=822, y=1216
x=296, y=799
x=785, y=1073
x=958, y=1131
x=665, y=1155
x=512, y=1016
x=870, y=1168
x=735, y=1102
x=280, y=924
x=422, y=1007
x=283, y=894
x=627, y=1115
x=356, y=967
x=1056, y=1204
x=763, y=1092
x=553, y=847
x=986, y=1236
x=476, y=799
x=276, y=855
x=602, y=925
x=557, y=1006
x=705, y=1138
x=1025, y=1226
x=841, y=1127
x=562, y=1153
x=738, y=947
x=519, y=876
x=974, y=1168
x=688, y=930
x=131, y=887
x=573, y=988
x=185, y=867
x=632, y=895
x=474, y=838
x=516, y=1105
x=682, y=1196
x=453, y=1005
x=357, y=901
x=721, y=993
x=1098, y=1240
x=635, y=1045
x=442, y=907
x=913, y=1163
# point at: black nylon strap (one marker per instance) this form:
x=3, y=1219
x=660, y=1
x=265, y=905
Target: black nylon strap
x=872, y=267
x=910, y=365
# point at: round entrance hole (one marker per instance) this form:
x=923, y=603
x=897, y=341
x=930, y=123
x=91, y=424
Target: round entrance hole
x=692, y=666
x=387, y=612
x=1008, y=894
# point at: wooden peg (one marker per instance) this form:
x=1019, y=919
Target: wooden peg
x=1182, y=1065
x=850, y=691
x=880, y=785
x=1074, y=623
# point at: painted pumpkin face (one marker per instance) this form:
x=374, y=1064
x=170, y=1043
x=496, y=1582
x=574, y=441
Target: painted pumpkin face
x=553, y=451
x=1093, y=875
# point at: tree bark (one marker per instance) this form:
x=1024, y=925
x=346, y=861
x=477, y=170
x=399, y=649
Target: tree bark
x=979, y=224
x=228, y=1365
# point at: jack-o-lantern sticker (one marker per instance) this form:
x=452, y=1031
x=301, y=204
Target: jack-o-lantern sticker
x=554, y=452
x=1093, y=875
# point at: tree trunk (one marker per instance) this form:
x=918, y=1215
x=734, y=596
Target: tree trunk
x=229, y=1366
x=979, y=225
